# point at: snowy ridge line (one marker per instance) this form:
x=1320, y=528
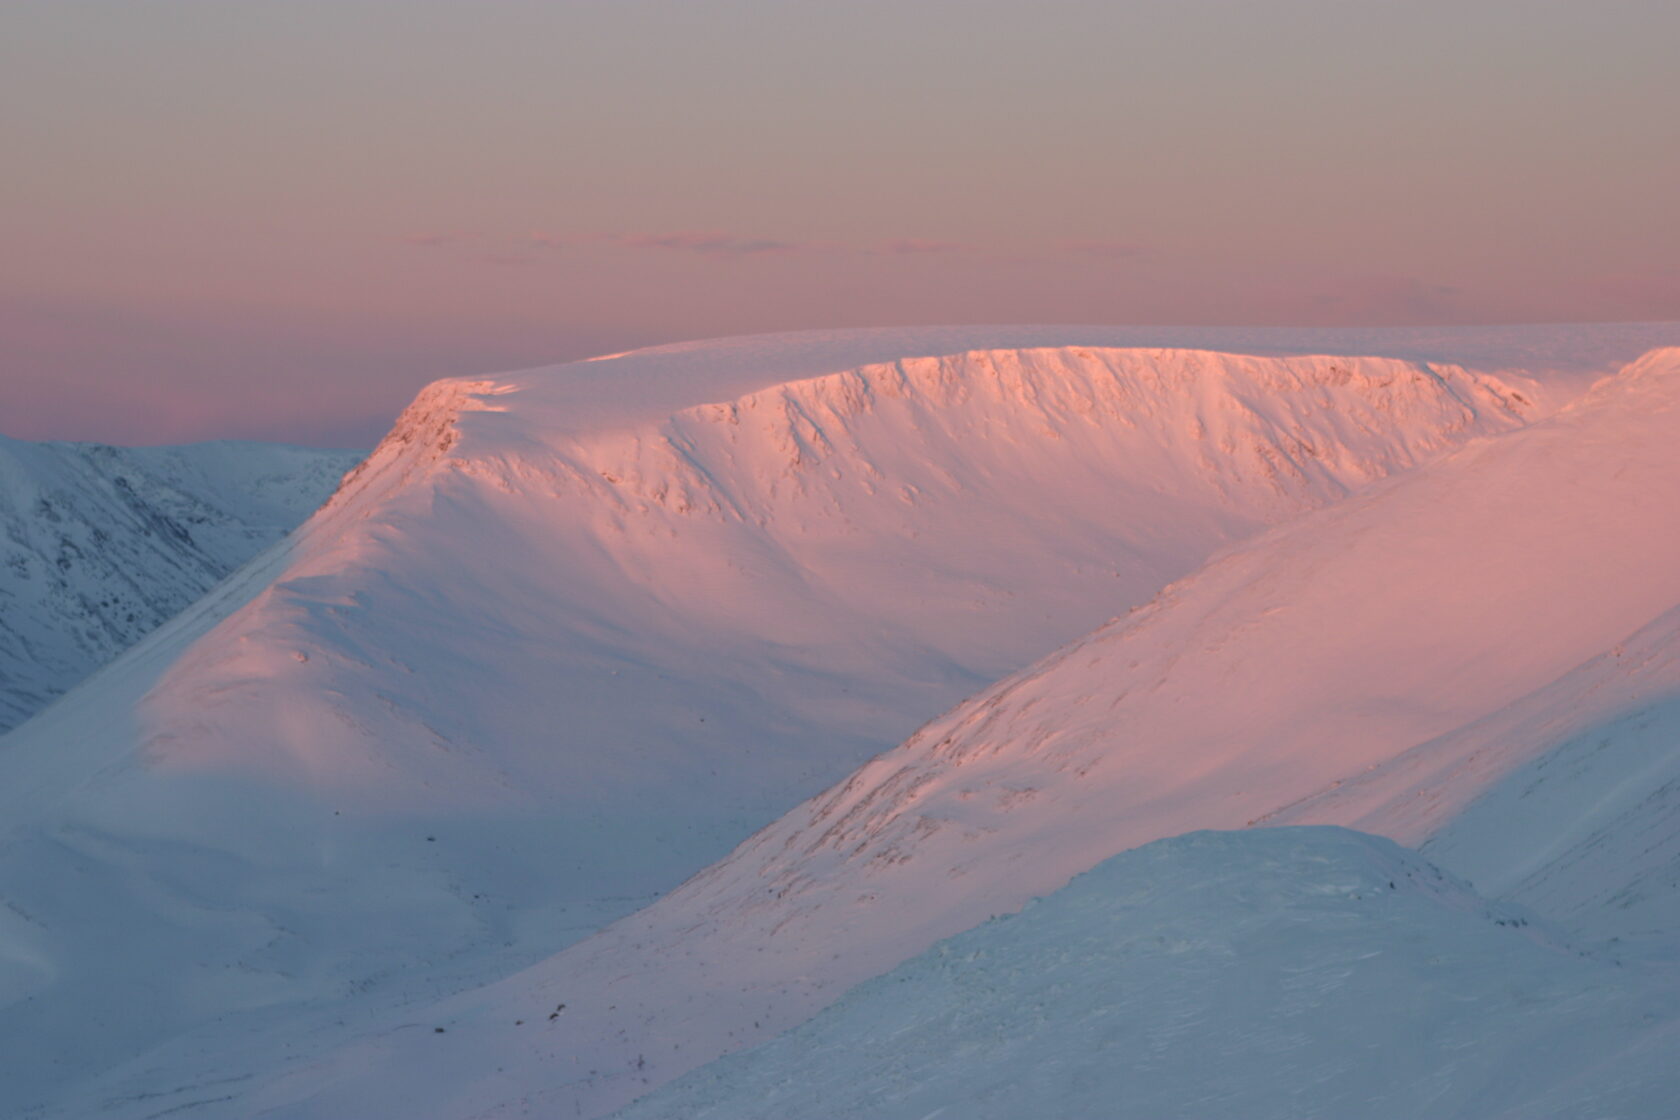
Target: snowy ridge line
x=659, y=458
x=1552, y=362
x=589, y=398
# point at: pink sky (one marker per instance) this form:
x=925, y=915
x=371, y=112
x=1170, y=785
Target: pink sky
x=278, y=221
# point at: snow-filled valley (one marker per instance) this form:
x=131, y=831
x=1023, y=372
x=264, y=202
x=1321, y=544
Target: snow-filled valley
x=101, y=544
x=340, y=838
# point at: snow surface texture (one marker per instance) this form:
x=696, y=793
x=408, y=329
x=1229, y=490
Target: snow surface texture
x=457, y=720
x=99, y=545
x=1274, y=974
x=1288, y=667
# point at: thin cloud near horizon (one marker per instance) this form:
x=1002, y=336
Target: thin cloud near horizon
x=720, y=243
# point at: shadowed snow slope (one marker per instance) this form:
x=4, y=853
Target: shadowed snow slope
x=568, y=635
x=1290, y=666
x=1270, y=975
x=98, y=544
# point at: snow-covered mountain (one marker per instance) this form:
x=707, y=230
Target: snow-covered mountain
x=1318, y=657
x=569, y=634
x=99, y=544
x=1271, y=974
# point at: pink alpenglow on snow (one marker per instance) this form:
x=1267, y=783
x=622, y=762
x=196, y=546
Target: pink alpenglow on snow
x=571, y=634
x=1274, y=674
x=661, y=728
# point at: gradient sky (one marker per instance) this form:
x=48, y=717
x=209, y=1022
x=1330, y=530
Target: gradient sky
x=278, y=218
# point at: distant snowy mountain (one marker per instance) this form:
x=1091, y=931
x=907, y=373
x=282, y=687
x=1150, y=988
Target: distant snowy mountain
x=99, y=544
x=569, y=634
x=1315, y=658
x=1270, y=975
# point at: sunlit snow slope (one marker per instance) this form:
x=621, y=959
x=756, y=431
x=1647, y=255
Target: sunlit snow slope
x=1270, y=975
x=99, y=544
x=1317, y=657
x=568, y=635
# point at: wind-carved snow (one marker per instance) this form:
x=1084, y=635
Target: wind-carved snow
x=1308, y=660
x=99, y=545
x=1270, y=975
x=524, y=671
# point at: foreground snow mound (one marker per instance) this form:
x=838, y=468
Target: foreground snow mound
x=1276, y=973
x=549, y=650
x=99, y=545
x=1293, y=665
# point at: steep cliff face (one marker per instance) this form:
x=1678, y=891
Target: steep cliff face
x=542, y=657
x=99, y=545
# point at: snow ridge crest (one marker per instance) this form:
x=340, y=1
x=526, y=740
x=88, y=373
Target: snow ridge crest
x=1254, y=424
x=424, y=434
